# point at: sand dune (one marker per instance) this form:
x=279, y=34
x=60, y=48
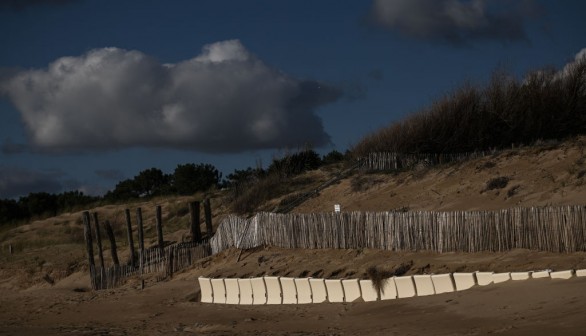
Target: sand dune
x=552, y=175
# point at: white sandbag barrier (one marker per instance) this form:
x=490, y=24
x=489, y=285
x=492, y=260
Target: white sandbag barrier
x=405, y=287
x=289, y=290
x=219, y=290
x=388, y=289
x=245, y=287
x=484, y=278
x=205, y=284
x=259, y=291
x=283, y=290
x=274, y=292
x=443, y=283
x=335, y=290
x=561, y=274
x=520, y=275
x=351, y=290
x=232, y=291
x=319, y=293
x=368, y=291
x=501, y=277
x=464, y=281
x=540, y=274
x=303, y=290
x=424, y=285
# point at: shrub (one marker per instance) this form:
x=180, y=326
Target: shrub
x=546, y=104
x=295, y=164
x=191, y=178
x=255, y=193
x=362, y=183
x=496, y=183
x=332, y=157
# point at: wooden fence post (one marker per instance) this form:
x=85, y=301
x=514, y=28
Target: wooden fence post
x=140, y=236
x=130, y=240
x=160, y=229
x=112, y=239
x=99, y=242
x=87, y=232
x=195, y=224
x=171, y=261
x=208, y=216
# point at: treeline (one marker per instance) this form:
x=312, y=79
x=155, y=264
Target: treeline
x=42, y=204
x=187, y=179
x=546, y=104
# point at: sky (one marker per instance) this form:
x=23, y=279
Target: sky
x=94, y=91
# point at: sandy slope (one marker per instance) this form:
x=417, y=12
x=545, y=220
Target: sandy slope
x=538, y=176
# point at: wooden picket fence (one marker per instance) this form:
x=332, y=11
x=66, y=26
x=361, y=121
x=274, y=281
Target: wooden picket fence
x=397, y=161
x=171, y=259
x=553, y=229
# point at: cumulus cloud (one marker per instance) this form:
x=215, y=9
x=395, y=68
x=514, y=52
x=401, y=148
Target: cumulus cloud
x=18, y=181
x=457, y=22
x=224, y=100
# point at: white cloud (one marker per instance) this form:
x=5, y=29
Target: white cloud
x=223, y=100
x=454, y=21
x=569, y=68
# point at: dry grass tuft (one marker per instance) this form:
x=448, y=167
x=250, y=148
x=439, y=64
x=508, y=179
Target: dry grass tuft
x=379, y=278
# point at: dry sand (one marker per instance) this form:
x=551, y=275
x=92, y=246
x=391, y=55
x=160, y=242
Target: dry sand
x=531, y=307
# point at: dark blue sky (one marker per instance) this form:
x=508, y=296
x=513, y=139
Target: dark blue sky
x=94, y=91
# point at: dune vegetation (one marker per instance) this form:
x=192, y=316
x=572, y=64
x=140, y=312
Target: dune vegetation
x=544, y=104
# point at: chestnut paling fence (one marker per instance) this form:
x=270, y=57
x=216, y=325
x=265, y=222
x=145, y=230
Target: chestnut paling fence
x=398, y=161
x=161, y=259
x=171, y=259
x=553, y=229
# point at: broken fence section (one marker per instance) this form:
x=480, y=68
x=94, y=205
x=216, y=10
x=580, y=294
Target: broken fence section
x=171, y=259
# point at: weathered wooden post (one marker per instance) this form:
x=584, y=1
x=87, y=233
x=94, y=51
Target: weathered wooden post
x=130, y=240
x=195, y=224
x=140, y=236
x=112, y=239
x=171, y=259
x=160, y=229
x=114, y=273
x=87, y=232
x=100, y=251
x=208, y=216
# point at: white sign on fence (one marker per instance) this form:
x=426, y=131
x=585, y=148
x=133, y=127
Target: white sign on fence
x=337, y=208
